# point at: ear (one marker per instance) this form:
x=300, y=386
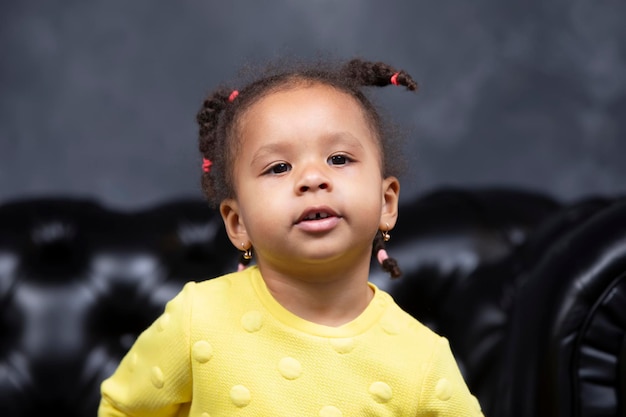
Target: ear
x=391, y=195
x=236, y=230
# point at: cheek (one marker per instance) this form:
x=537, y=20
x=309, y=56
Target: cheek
x=367, y=194
x=369, y=181
x=260, y=206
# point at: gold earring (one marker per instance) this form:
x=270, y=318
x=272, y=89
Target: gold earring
x=385, y=233
x=247, y=254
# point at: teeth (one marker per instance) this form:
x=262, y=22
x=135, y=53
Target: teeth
x=316, y=216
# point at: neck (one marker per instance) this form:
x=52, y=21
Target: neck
x=327, y=296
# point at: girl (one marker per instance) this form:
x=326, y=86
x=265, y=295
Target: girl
x=300, y=167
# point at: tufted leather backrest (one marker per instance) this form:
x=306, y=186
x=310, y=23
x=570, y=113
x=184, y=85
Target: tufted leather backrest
x=79, y=282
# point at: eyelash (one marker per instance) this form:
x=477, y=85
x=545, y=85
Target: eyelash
x=282, y=167
x=278, y=168
x=345, y=159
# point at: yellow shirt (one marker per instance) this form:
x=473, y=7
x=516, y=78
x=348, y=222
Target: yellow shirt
x=226, y=347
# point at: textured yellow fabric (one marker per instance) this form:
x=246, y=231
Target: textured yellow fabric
x=225, y=347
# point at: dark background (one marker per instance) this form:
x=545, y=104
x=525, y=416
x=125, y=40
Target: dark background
x=98, y=98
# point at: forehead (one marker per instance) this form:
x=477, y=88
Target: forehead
x=314, y=106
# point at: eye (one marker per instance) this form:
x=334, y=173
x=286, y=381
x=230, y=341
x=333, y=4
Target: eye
x=339, y=160
x=278, y=168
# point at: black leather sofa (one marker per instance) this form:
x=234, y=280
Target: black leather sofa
x=530, y=291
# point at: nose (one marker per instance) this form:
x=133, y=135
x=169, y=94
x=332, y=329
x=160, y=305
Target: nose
x=313, y=178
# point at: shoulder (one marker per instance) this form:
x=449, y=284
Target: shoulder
x=218, y=297
x=216, y=288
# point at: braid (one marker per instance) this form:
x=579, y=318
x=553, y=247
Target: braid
x=376, y=74
x=389, y=264
x=208, y=117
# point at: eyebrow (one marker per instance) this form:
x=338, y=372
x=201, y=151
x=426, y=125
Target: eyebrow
x=344, y=138
x=269, y=149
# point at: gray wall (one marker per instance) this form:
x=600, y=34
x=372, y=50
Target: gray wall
x=98, y=98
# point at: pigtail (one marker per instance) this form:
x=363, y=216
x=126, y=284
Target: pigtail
x=208, y=118
x=377, y=74
x=388, y=263
x=365, y=73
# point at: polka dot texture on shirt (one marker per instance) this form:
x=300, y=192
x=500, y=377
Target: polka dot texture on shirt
x=254, y=364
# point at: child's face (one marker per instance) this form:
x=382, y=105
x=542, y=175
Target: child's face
x=308, y=183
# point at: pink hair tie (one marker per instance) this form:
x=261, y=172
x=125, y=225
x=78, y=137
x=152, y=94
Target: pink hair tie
x=233, y=96
x=382, y=256
x=206, y=165
x=394, y=78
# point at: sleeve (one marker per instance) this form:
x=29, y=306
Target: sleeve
x=444, y=391
x=154, y=377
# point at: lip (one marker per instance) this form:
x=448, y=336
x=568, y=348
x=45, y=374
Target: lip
x=321, y=224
